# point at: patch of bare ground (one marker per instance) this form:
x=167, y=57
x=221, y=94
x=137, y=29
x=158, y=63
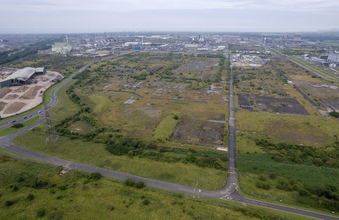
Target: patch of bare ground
x=190, y=130
x=4, y=92
x=14, y=107
x=11, y=96
x=2, y=105
x=31, y=93
x=20, y=89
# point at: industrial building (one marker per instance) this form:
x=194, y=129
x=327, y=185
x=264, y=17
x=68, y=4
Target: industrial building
x=22, y=76
x=61, y=47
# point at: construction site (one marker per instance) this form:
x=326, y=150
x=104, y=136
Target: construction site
x=23, y=89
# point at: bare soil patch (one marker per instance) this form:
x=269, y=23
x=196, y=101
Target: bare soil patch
x=11, y=96
x=14, y=107
x=31, y=93
x=2, y=105
x=4, y=92
x=190, y=130
x=20, y=89
x=279, y=104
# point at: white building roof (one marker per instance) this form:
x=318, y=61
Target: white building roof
x=24, y=73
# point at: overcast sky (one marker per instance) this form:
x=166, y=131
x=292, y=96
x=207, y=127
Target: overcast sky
x=80, y=16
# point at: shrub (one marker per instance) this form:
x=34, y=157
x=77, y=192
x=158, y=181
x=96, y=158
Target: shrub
x=18, y=125
x=318, y=162
x=273, y=176
x=129, y=182
x=130, y=154
x=334, y=114
x=40, y=213
x=146, y=202
x=95, y=176
x=176, y=117
x=30, y=197
x=278, y=159
x=293, y=181
x=14, y=188
x=9, y=203
x=152, y=146
x=140, y=185
x=262, y=177
x=303, y=192
x=63, y=187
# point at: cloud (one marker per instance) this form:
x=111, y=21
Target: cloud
x=130, y=5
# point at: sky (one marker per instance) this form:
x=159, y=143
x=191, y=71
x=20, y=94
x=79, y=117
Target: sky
x=88, y=16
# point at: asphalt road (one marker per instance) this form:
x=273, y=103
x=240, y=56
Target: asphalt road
x=228, y=192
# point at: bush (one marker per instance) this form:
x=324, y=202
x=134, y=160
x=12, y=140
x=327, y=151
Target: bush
x=40, y=213
x=152, y=146
x=130, y=154
x=176, y=117
x=140, y=185
x=129, y=182
x=14, y=188
x=334, y=114
x=303, y=192
x=9, y=203
x=146, y=202
x=262, y=178
x=263, y=185
x=293, y=181
x=273, y=176
x=19, y=125
x=30, y=197
x=95, y=176
x=318, y=162
x=278, y=159
x=63, y=187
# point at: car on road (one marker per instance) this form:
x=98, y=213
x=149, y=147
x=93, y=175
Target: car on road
x=39, y=112
x=13, y=121
x=25, y=117
x=30, y=115
x=49, y=106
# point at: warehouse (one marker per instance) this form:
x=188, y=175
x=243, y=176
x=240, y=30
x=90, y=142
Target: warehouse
x=22, y=76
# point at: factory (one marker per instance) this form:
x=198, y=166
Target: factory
x=22, y=76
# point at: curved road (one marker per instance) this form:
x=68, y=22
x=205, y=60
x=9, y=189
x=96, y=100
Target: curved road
x=228, y=192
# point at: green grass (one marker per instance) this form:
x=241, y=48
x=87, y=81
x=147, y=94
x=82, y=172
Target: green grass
x=295, y=129
x=96, y=155
x=65, y=107
x=103, y=199
x=165, y=128
x=253, y=165
x=10, y=130
x=314, y=68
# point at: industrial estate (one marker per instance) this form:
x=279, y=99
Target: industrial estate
x=170, y=125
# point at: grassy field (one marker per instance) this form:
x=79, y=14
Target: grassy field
x=253, y=166
x=74, y=196
x=315, y=69
x=96, y=155
x=10, y=130
x=295, y=129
